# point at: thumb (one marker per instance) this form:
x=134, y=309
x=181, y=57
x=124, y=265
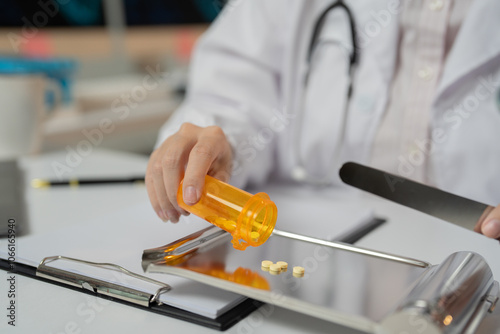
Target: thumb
x=491, y=225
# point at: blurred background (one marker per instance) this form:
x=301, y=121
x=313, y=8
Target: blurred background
x=109, y=72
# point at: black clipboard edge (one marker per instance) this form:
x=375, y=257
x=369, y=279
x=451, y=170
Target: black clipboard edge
x=221, y=323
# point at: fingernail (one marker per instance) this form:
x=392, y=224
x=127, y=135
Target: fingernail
x=161, y=215
x=190, y=195
x=492, y=228
x=173, y=216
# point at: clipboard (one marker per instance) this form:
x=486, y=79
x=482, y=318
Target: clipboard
x=359, y=288
x=37, y=257
x=125, y=295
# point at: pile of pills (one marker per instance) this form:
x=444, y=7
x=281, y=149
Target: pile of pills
x=279, y=267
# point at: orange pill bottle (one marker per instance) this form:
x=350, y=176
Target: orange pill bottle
x=249, y=218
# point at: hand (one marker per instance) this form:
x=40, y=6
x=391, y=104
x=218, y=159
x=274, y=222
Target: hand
x=189, y=154
x=489, y=223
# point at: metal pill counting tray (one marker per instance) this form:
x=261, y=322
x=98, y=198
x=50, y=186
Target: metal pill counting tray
x=359, y=288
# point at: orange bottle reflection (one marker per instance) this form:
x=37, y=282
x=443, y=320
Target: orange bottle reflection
x=174, y=259
x=241, y=275
x=249, y=218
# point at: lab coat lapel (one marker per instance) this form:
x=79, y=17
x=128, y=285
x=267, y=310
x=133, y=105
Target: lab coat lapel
x=377, y=39
x=477, y=43
x=294, y=69
x=377, y=33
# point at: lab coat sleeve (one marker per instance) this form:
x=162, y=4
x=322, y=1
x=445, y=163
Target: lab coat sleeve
x=234, y=83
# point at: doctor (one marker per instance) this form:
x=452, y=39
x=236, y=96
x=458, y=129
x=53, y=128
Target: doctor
x=291, y=89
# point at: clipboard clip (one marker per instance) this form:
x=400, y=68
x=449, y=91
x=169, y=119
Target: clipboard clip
x=101, y=286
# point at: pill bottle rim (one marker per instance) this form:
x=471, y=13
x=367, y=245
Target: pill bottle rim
x=249, y=213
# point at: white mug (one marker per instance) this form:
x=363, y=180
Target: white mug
x=22, y=110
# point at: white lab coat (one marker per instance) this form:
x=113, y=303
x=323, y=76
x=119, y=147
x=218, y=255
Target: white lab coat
x=247, y=77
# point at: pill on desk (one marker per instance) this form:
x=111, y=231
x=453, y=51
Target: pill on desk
x=282, y=264
x=298, y=270
x=275, y=268
x=266, y=264
x=298, y=275
x=255, y=236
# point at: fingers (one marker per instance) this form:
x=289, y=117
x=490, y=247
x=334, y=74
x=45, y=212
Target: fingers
x=157, y=192
x=168, y=209
x=150, y=187
x=173, y=161
x=491, y=225
x=222, y=174
x=482, y=219
x=191, y=153
x=207, y=150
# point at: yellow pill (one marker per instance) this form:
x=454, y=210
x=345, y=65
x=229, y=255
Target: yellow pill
x=298, y=275
x=229, y=224
x=220, y=221
x=255, y=236
x=275, y=267
x=298, y=270
x=266, y=264
x=282, y=264
x=274, y=272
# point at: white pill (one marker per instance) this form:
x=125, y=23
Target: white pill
x=282, y=264
x=298, y=270
x=266, y=264
x=275, y=268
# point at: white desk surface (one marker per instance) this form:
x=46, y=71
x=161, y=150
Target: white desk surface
x=45, y=308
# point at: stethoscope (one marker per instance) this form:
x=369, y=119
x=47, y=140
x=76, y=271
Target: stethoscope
x=299, y=172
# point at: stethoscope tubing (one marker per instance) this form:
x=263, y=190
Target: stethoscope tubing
x=299, y=172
